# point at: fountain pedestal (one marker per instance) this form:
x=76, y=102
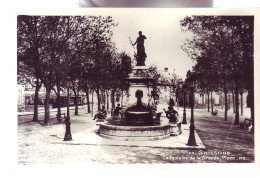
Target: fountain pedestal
x=139, y=112
x=139, y=79
x=139, y=121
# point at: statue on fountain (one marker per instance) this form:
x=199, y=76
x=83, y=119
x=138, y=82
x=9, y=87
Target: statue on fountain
x=141, y=55
x=171, y=114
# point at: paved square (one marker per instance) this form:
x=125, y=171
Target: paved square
x=44, y=144
x=177, y=142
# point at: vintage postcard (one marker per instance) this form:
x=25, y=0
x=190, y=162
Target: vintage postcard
x=137, y=86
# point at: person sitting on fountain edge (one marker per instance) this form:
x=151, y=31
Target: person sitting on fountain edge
x=117, y=110
x=171, y=114
x=102, y=114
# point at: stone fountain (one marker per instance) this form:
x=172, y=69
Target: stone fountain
x=139, y=121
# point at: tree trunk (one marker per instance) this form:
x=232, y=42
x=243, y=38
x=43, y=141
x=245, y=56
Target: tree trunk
x=122, y=98
x=104, y=99
x=233, y=98
x=241, y=100
x=92, y=113
x=113, y=98
x=87, y=94
x=107, y=93
x=222, y=102
x=208, y=102
x=36, y=101
x=58, y=102
x=77, y=105
x=236, y=105
x=47, y=106
x=251, y=91
x=226, y=104
x=251, y=105
x=203, y=101
x=76, y=102
x=212, y=107
x=98, y=98
x=229, y=105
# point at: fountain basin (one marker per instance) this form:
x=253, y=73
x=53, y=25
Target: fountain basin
x=138, y=133
x=138, y=113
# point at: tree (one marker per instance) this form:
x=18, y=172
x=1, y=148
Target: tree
x=48, y=44
x=222, y=41
x=29, y=39
x=119, y=72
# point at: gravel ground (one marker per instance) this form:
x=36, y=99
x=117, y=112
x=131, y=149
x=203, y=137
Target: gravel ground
x=224, y=142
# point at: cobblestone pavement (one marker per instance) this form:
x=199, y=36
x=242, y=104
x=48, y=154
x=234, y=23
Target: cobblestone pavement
x=224, y=142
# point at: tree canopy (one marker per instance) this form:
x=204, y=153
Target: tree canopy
x=222, y=47
x=52, y=48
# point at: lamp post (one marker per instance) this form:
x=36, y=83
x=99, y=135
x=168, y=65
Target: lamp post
x=184, y=121
x=68, y=136
x=192, y=140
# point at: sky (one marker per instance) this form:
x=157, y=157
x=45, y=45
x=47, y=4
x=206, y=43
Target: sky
x=161, y=26
x=163, y=33
x=164, y=37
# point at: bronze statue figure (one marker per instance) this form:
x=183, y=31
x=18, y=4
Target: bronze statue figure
x=141, y=55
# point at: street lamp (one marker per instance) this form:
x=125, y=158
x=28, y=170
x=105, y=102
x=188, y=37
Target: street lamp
x=68, y=136
x=184, y=121
x=192, y=140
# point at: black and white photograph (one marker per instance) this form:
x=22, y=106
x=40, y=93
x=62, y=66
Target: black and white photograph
x=136, y=86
